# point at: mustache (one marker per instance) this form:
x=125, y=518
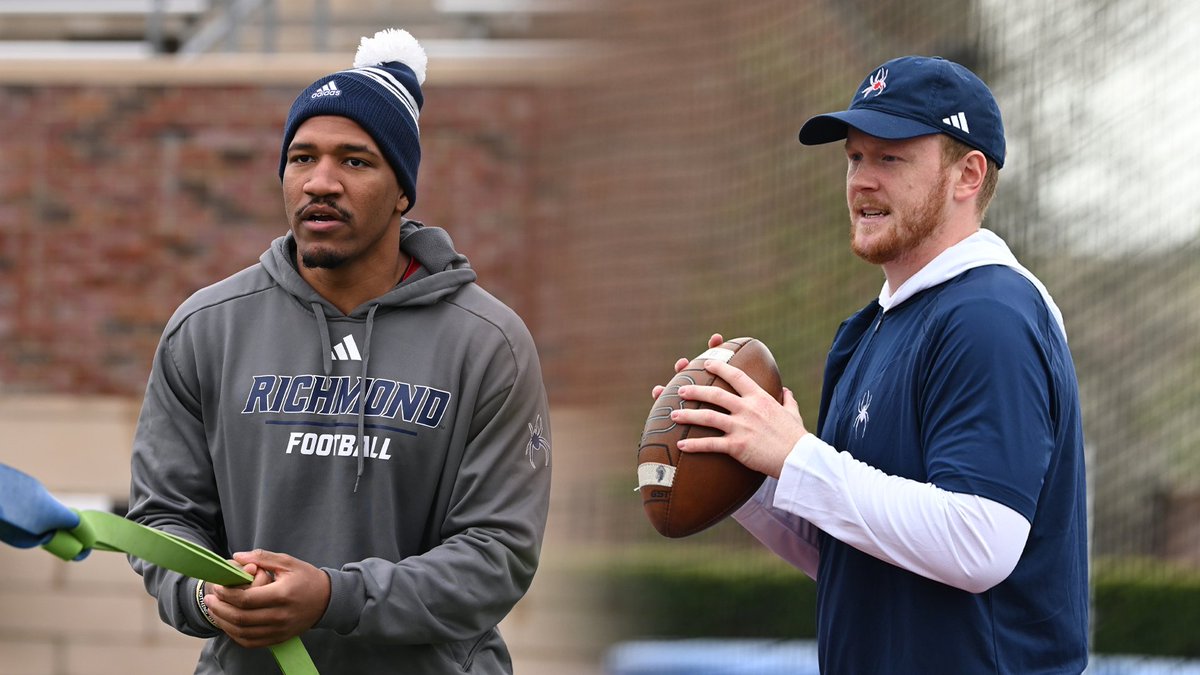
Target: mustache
x=326, y=203
x=862, y=203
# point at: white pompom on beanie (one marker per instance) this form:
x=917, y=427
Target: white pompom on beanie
x=382, y=94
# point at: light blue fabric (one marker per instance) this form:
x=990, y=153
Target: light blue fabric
x=713, y=657
x=799, y=657
x=29, y=514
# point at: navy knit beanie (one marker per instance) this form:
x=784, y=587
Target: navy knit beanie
x=382, y=93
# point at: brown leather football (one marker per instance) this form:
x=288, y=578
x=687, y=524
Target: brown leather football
x=684, y=493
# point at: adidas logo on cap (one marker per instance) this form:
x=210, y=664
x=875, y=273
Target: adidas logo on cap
x=329, y=89
x=958, y=121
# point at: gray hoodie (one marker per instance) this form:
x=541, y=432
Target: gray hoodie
x=424, y=501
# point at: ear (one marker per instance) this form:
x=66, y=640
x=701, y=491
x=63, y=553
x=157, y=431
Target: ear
x=402, y=203
x=969, y=175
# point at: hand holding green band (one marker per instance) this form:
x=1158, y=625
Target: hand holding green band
x=108, y=532
x=29, y=516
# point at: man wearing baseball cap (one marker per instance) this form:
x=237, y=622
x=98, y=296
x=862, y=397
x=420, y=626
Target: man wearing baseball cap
x=940, y=505
x=352, y=419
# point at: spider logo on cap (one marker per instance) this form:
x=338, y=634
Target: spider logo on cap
x=878, y=83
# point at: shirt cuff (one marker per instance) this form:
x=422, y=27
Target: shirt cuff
x=791, y=477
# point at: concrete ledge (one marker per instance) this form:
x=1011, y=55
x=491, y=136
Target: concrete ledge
x=27, y=569
x=451, y=62
x=79, y=445
x=75, y=615
x=132, y=659
x=28, y=657
x=137, y=7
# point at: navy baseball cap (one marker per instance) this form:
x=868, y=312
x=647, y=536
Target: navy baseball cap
x=916, y=96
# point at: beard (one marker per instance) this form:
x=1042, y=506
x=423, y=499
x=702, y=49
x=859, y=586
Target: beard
x=317, y=256
x=322, y=258
x=910, y=230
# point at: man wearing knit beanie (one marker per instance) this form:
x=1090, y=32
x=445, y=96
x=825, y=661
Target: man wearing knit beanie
x=353, y=419
x=382, y=94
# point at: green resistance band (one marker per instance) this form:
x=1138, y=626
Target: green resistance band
x=103, y=531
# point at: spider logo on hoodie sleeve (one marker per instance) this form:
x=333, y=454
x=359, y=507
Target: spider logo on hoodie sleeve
x=537, y=443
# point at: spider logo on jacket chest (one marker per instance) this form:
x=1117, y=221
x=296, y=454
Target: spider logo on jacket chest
x=863, y=416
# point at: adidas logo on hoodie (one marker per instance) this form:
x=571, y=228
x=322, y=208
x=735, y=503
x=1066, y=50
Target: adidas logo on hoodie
x=346, y=350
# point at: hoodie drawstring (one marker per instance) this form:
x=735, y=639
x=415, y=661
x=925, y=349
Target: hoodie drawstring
x=362, y=396
x=323, y=329
x=327, y=357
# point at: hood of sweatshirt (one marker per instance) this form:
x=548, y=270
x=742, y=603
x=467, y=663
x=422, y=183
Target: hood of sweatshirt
x=441, y=272
x=981, y=248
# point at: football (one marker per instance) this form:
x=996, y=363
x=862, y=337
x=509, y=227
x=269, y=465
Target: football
x=684, y=493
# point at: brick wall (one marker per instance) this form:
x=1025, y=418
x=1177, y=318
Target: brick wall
x=118, y=201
